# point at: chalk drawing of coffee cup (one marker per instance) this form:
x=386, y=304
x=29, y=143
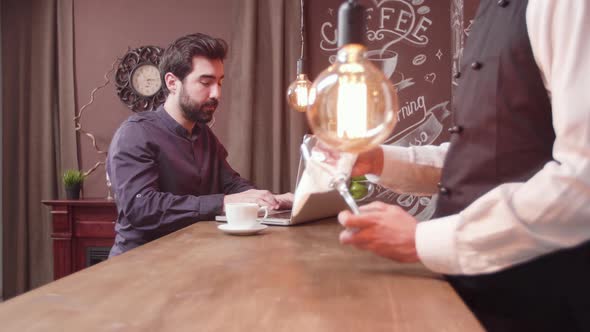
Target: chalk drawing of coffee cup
x=386, y=60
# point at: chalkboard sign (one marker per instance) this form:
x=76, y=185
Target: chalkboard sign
x=411, y=41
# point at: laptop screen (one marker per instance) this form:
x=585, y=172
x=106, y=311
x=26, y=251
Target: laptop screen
x=310, y=205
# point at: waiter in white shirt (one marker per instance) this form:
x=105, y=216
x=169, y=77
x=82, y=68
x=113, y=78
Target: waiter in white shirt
x=512, y=226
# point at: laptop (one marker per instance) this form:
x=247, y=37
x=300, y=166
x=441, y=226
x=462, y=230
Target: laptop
x=317, y=206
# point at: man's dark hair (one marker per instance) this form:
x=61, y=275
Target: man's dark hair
x=178, y=57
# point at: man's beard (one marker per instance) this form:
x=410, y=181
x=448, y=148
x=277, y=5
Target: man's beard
x=197, y=112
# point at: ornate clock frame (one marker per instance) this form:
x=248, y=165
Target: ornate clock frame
x=133, y=59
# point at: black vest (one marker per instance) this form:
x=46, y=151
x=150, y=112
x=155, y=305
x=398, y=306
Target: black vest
x=502, y=132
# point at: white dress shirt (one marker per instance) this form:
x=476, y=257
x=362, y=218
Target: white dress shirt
x=516, y=222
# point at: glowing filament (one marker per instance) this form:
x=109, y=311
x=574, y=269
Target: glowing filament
x=352, y=108
x=301, y=93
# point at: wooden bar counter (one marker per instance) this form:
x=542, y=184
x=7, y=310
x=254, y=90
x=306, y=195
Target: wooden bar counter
x=285, y=279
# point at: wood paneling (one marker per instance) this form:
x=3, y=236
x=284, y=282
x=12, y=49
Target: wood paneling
x=78, y=225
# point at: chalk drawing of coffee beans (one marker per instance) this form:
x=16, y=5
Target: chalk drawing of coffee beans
x=419, y=59
x=417, y=2
x=423, y=10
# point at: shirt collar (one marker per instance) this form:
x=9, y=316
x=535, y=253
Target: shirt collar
x=171, y=124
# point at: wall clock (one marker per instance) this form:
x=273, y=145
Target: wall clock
x=138, y=80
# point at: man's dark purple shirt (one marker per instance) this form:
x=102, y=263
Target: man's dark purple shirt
x=166, y=178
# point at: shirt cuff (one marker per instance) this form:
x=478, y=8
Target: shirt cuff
x=374, y=178
x=211, y=205
x=394, y=159
x=435, y=244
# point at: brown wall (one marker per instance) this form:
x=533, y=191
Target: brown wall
x=104, y=30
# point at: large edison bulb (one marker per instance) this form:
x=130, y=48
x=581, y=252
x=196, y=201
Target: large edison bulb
x=298, y=93
x=352, y=104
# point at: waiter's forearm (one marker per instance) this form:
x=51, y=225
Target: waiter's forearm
x=414, y=170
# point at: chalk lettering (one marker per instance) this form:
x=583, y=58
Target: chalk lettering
x=398, y=21
x=410, y=107
x=403, y=18
x=384, y=16
x=326, y=40
x=422, y=27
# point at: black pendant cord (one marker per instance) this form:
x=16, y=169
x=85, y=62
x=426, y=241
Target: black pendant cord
x=302, y=29
x=301, y=61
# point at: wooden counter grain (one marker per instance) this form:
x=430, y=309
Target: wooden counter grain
x=287, y=279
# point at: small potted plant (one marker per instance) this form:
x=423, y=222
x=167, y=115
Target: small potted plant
x=73, y=180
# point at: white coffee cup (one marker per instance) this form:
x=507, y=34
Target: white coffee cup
x=243, y=215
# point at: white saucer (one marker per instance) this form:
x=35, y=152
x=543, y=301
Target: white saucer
x=242, y=231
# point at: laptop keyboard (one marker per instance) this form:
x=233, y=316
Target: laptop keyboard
x=283, y=214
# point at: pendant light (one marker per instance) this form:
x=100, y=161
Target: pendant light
x=352, y=104
x=298, y=91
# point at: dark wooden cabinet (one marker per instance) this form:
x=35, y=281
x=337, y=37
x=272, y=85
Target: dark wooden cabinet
x=83, y=232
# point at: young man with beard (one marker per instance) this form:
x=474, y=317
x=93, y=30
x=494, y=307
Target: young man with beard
x=167, y=168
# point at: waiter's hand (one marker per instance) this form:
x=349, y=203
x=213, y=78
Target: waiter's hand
x=285, y=201
x=260, y=197
x=386, y=230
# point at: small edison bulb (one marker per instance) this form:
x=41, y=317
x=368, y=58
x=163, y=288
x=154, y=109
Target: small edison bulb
x=352, y=104
x=298, y=93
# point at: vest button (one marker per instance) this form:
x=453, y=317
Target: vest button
x=457, y=74
x=455, y=129
x=476, y=65
x=442, y=189
x=503, y=3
